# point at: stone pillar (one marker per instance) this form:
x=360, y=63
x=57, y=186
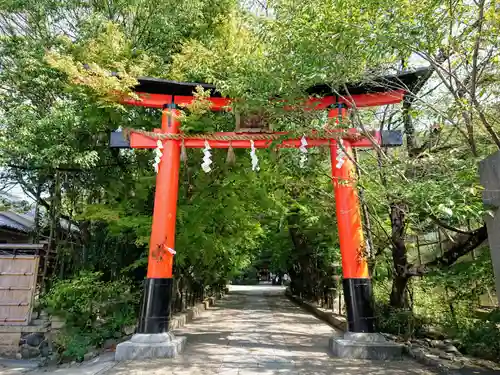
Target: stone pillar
x=489, y=172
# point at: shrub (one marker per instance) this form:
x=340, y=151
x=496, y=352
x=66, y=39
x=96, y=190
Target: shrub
x=481, y=338
x=399, y=322
x=93, y=310
x=73, y=344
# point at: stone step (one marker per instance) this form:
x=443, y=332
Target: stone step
x=40, y=322
x=25, y=329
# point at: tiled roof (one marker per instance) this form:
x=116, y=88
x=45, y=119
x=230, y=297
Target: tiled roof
x=26, y=222
x=6, y=221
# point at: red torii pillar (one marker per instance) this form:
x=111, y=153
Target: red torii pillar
x=356, y=278
x=155, y=309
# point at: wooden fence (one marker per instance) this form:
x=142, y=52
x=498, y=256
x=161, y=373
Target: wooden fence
x=18, y=278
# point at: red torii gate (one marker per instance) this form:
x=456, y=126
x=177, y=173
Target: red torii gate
x=157, y=93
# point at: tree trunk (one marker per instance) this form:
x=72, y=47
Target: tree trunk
x=399, y=294
x=36, y=234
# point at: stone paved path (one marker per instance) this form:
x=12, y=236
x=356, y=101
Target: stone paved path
x=256, y=330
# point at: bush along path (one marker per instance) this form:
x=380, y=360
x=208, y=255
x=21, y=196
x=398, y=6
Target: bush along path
x=97, y=360
x=89, y=316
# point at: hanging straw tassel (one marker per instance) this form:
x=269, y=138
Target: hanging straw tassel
x=184, y=156
x=231, y=157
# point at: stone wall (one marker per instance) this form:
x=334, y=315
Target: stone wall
x=31, y=341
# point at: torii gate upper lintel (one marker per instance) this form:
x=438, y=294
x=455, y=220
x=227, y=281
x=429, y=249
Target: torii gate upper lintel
x=168, y=95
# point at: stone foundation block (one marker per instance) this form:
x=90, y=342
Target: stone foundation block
x=143, y=346
x=365, y=346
